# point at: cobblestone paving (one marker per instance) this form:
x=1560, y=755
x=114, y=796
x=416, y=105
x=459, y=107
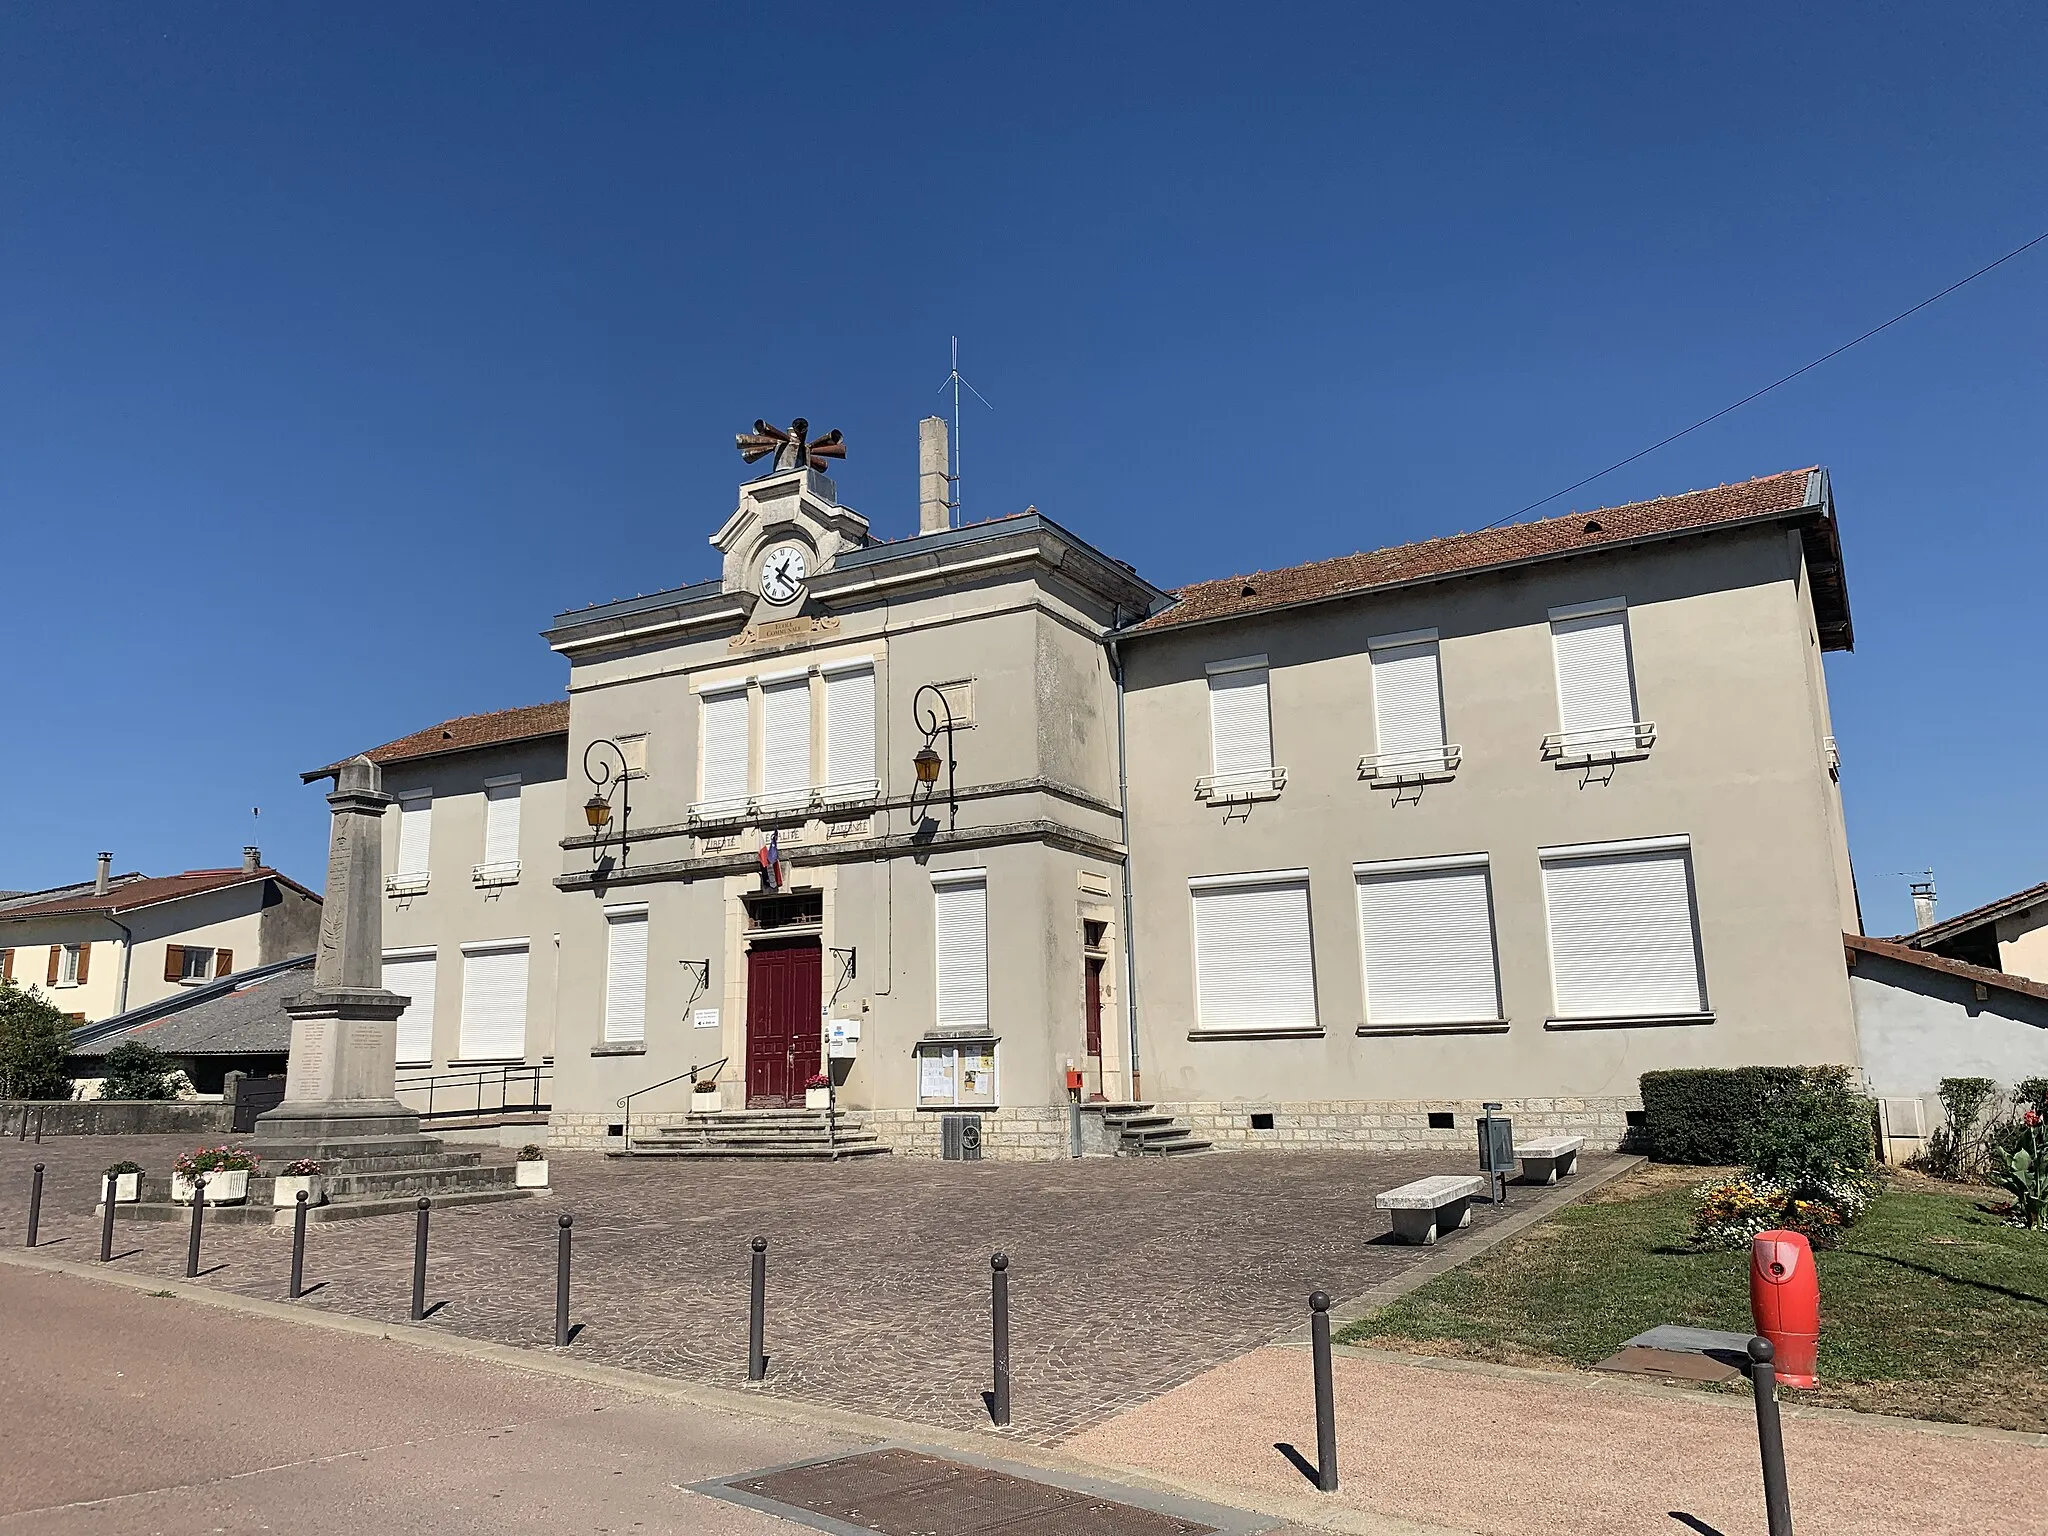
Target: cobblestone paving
x=1128, y=1277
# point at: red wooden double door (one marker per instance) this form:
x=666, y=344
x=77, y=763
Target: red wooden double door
x=783, y=1022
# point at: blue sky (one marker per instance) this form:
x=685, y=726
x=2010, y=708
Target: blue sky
x=342, y=346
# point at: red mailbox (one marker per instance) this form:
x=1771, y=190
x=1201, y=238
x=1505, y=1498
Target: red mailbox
x=1784, y=1300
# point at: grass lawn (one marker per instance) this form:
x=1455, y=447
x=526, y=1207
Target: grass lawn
x=1931, y=1307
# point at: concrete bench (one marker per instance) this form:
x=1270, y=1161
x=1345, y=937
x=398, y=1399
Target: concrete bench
x=1548, y=1160
x=1422, y=1208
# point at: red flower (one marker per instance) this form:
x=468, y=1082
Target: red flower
x=2033, y=1117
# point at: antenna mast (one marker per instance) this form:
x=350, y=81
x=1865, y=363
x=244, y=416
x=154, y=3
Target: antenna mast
x=955, y=382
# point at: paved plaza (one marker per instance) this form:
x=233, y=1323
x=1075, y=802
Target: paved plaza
x=1129, y=1277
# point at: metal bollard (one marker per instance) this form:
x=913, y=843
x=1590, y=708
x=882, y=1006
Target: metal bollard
x=35, y=1205
x=1770, y=1436
x=419, y=1261
x=562, y=1283
x=107, y=1219
x=999, y=1303
x=299, y=1246
x=757, y=1313
x=1326, y=1391
x=198, y=1215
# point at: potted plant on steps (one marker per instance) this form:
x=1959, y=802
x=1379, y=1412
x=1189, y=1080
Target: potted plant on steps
x=127, y=1179
x=704, y=1098
x=301, y=1173
x=531, y=1171
x=225, y=1169
x=818, y=1092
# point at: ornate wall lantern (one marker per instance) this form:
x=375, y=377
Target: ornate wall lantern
x=931, y=719
x=597, y=810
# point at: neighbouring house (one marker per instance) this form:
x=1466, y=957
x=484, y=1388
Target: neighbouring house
x=2010, y=934
x=1921, y=1017
x=234, y=1023
x=1328, y=854
x=117, y=942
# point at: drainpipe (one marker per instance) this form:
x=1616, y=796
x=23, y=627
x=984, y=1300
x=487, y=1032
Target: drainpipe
x=1123, y=801
x=127, y=950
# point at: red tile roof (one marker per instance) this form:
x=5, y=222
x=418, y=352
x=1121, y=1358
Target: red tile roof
x=2005, y=981
x=529, y=722
x=1517, y=544
x=146, y=891
x=1954, y=927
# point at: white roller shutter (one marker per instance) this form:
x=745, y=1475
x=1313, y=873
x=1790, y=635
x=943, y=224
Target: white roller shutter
x=415, y=832
x=1240, y=724
x=1622, y=939
x=494, y=1004
x=625, y=976
x=961, y=908
x=1594, y=686
x=413, y=976
x=725, y=745
x=1254, y=966
x=1427, y=937
x=1407, y=698
x=786, y=736
x=501, y=823
x=850, y=726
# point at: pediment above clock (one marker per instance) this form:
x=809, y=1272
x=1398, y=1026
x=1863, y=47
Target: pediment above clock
x=798, y=508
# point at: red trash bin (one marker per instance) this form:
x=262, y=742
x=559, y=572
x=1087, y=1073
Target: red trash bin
x=1784, y=1302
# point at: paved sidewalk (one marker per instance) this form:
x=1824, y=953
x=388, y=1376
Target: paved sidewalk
x=1128, y=1276
x=1518, y=1454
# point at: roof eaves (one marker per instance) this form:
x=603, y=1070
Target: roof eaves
x=1977, y=917
x=1962, y=970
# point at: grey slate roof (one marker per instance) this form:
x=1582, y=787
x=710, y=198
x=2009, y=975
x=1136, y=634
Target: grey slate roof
x=238, y=1015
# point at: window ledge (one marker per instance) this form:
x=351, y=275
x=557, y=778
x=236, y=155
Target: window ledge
x=1601, y=744
x=620, y=1048
x=404, y=885
x=955, y=1109
x=1301, y=1032
x=1430, y=766
x=1236, y=788
x=1453, y=1027
x=496, y=874
x=1633, y=1021
x=486, y=1061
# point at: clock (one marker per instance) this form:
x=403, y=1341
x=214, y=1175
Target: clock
x=782, y=573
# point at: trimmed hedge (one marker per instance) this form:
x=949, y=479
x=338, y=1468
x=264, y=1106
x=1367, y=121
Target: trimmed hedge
x=1719, y=1115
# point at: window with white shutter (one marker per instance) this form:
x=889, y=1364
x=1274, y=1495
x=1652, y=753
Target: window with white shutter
x=724, y=779
x=1426, y=931
x=960, y=903
x=1596, y=693
x=1407, y=709
x=850, y=733
x=500, y=864
x=1624, y=940
x=625, y=974
x=1240, y=734
x=415, y=835
x=494, y=1001
x=410, y=973
x=1254, y=964
x=786, y=739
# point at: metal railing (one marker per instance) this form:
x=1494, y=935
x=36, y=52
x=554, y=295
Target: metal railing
x=1247, y=784
x=481, y=1092
x=626, y=1104
x=1622, y=739
x=1423, y=762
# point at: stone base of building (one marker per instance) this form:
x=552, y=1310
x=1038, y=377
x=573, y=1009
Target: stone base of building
x=1041, y=1133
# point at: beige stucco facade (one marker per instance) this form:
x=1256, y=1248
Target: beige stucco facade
x=1076, y=792
x=122, y=959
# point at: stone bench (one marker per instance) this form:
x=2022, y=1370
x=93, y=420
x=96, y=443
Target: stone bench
x=1548, y=1160
x=1422, y=1208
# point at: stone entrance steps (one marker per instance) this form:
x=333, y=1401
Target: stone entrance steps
x=1142, y=1133
x=776, y=1133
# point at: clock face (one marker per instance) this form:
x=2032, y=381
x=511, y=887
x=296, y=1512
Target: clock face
x=782, y=573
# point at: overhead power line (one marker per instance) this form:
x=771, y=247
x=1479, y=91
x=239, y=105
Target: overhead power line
x=1904, y=314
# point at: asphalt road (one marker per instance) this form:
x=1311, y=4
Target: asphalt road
x=126, y=1414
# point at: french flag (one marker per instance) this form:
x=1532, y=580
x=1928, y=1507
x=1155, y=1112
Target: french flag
x=771, y=862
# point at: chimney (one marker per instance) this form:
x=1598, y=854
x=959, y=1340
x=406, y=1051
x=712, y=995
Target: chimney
x=1923, y=904
x=252, y=860
x=100, y=879
x=934, y=485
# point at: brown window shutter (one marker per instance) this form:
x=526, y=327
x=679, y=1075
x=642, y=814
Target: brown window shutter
x=223, y=962
x=174, y=962
x=84, y=962
x=6, y=965
x=56, y=959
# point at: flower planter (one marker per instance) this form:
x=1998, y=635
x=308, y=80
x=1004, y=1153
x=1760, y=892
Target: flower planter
x=127, y=1188
x=284, y=1189
x=817, y=1098
x=224, y=1186
x=531, y=1174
